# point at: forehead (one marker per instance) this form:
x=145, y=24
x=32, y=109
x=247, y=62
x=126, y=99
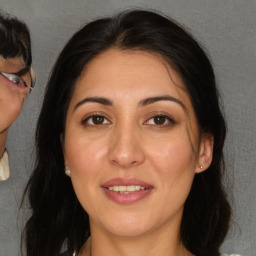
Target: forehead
x=11, y=65
x=129, y=71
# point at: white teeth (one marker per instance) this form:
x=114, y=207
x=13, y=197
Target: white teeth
x=126, y=189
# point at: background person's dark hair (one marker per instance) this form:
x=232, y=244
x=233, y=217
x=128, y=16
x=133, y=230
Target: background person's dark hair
x=57, y=216
x=14, y=39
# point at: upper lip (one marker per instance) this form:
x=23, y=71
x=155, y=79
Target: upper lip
x=126, y=182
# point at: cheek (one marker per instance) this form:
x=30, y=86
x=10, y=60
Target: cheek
x=84, y=157
x=174, y=166
x=174, y=162
x=87, y=161
x=11, y=104
x=10, y=93
x=172, y=154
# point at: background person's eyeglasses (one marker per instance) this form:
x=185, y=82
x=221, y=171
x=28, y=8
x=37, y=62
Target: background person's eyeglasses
x=25, y=77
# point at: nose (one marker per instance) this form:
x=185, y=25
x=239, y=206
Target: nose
x=126, y=148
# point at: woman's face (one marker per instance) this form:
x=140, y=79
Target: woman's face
x=12, y=96
x=132, y=143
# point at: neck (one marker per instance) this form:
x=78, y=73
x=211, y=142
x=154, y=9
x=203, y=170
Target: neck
x=161, y=243
x=3, y=138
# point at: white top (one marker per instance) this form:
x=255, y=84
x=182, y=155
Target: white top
x=4, y=167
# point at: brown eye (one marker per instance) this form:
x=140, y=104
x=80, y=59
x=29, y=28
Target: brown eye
x=96, y=120
x=159, y=120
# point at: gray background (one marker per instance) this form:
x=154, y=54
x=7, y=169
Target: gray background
x=227, y=28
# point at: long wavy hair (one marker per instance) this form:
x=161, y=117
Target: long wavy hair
x=57, y=218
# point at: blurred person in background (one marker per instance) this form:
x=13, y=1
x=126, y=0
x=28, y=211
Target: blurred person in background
x=16, y=79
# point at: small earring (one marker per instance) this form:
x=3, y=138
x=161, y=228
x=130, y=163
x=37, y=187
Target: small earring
x=67, y=171
x=201, y=167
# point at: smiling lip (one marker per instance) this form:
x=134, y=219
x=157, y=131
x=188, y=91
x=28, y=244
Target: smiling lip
x=126, y=191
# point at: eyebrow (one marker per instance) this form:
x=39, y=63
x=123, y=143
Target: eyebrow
x=22, y=71
x=99, y=100
x=142, y=103
x=152, y=100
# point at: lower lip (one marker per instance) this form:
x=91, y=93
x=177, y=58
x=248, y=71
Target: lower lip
x=127, y=198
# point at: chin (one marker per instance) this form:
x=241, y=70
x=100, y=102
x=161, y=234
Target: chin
x=128, y=226
x=127, y=231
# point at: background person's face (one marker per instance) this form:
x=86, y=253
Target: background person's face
x=130, y=122
x=12, y=96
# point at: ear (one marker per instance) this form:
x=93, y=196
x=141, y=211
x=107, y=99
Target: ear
x=205, y=152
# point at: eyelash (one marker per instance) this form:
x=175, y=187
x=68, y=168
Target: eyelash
x=16, y=80
x=86, y=120
x=167, y=120
x=104, y=121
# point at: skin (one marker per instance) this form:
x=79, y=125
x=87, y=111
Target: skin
x=130, y=144
x=12, y=96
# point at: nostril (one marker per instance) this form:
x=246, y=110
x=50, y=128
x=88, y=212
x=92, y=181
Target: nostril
x=134, y=163
x=123, y=162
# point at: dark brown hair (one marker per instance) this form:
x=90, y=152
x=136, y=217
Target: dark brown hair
x=57, y=217
x=14, y=39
